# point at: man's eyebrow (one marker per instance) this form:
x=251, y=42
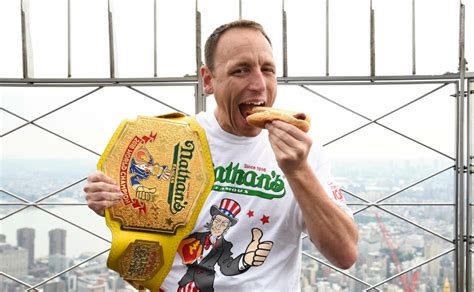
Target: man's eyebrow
x=250, y=64
x=242, y=64
x=268, y=63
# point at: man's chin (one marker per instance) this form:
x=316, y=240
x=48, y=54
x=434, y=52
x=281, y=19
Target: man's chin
x=242, y=128
x=251, y=131
x=248, y=130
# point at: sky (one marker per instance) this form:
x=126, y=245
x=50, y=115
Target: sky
x=92, y=120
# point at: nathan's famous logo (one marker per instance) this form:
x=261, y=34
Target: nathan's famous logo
x=268, y=186
x=179, y=185
x=138, y=164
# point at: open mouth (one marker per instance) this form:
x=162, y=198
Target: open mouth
x=246, y=107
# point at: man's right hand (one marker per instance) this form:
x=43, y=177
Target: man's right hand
x=101, y=192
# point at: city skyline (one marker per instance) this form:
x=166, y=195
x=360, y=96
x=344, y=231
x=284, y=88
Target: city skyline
x=26, y=237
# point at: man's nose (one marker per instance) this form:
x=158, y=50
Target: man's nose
x=257, y=81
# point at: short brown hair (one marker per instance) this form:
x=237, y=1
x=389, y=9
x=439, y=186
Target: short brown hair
x=213, y=39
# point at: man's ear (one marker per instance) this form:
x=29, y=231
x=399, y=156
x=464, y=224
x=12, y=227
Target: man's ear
x=206, y=75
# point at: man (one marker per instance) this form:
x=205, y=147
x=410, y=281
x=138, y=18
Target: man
x=280, y=180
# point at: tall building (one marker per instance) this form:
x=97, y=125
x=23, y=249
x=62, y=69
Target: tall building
x=57, y=241
x=432, y=247
x=57, y=263
x=25, y=237
x=13, y=261
x=3, y=238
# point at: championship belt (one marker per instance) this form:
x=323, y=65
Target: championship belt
x=163, y=167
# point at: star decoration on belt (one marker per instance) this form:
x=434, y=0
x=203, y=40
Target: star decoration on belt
x=169, y=221
x=265, y=219
x=250, y=213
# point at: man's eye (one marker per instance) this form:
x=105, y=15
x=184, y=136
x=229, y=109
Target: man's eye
x=241, y=71
x=269, y=70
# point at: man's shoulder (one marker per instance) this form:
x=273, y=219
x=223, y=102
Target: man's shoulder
x=203, y=117
x=206, y=120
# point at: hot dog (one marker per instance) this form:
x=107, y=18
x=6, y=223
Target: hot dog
x=261, y=115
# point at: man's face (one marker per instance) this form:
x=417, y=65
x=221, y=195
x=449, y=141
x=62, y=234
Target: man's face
x=219, y=225
x=243, y=76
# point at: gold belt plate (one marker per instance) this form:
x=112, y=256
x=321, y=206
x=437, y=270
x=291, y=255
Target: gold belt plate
x=160, y=168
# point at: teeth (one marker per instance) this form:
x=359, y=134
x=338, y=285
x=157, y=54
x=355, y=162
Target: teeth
x=255, y=102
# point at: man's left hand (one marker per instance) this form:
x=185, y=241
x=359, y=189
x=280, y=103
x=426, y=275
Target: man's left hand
x=290, y=145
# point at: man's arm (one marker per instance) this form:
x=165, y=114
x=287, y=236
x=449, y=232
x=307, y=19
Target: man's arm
x=331, y=230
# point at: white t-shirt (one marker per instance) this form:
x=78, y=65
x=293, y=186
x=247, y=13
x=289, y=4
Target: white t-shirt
x=251, y=188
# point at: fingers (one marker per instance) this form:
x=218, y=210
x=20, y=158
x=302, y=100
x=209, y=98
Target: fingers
x=290, y=145
x=99, y=182
x=99, y=176
x=100, y=206
x=98, y=187
x=101, y=192
x=266, y=245
x=147, y=196
x=288, y=135
x=252, y=259
x=283, y=129
x=259, y=256
x=103, y=196
x=259, y=260
x=256, y=263
x=287, y=154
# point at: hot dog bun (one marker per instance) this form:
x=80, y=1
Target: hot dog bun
x=261, y=115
